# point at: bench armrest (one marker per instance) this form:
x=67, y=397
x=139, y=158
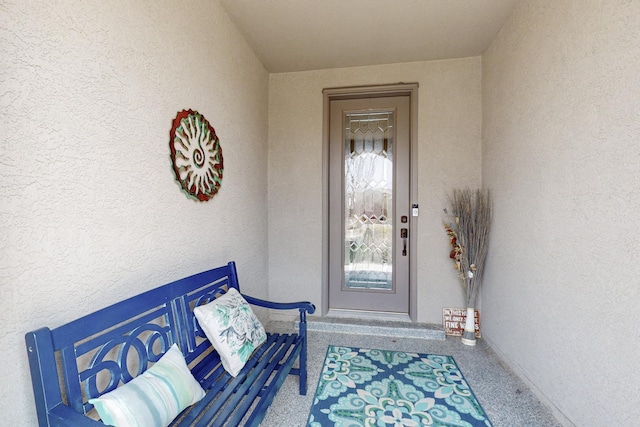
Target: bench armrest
x=303, y=306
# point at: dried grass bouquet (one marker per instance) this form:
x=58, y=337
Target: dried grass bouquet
x=468, y=231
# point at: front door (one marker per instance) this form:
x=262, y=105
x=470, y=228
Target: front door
x=369, y=205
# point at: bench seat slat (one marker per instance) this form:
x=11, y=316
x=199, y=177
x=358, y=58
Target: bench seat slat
x=253, y=386
x=208, y=370
x=209, y=378
x=220, y=391
x=246, y=377
x=267, y=393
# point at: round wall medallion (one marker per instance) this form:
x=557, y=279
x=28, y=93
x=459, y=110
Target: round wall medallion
x=196, y=155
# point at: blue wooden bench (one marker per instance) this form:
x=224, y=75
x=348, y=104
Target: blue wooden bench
x=92, y=355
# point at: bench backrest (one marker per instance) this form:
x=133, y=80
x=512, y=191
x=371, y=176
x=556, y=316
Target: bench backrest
x=94, y=354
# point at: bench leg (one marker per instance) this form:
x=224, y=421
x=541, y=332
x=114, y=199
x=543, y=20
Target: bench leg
x=303, y=353
x=303, y=372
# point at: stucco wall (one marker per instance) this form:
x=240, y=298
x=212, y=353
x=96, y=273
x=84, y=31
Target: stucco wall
x=561, y=151
x=90, y=211
x=449, y=135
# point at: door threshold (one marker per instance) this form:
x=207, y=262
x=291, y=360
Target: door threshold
x=377, y=327
x=341, y=313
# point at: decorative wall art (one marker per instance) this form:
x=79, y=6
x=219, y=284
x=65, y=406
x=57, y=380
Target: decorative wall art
x=196, y=155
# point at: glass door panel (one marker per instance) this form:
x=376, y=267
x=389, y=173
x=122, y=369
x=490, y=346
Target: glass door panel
x=368, y=192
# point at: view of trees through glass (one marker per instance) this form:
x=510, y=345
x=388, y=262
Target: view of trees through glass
x=368, y=200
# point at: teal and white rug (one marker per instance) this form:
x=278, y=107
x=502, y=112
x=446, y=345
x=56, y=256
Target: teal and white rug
x=361, y=387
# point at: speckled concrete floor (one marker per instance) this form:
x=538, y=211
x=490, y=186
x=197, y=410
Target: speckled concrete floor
x=505, y=398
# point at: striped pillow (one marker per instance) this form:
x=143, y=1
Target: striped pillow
x=154, y=398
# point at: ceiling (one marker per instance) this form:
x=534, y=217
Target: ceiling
x=298, y=35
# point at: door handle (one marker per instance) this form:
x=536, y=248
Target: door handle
x=404, y=233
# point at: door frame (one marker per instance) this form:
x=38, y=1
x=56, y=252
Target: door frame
x=330, y=94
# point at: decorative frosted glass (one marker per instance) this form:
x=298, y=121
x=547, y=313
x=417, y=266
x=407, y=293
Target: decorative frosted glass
x=368, y=161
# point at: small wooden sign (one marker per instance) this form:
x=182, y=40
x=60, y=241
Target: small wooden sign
x=453, y=320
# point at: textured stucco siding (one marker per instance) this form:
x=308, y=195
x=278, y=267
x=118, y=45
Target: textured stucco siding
x=90, y=212
x=561, y=151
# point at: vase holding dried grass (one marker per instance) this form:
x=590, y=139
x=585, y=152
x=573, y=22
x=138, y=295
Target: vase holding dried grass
x=469, y=237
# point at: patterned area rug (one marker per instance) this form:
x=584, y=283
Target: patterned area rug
x=360, y=387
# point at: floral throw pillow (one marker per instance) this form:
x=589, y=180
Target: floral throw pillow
x=232, y=328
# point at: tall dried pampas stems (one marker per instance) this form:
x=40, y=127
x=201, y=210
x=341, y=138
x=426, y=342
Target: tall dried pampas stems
x=469, y=233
